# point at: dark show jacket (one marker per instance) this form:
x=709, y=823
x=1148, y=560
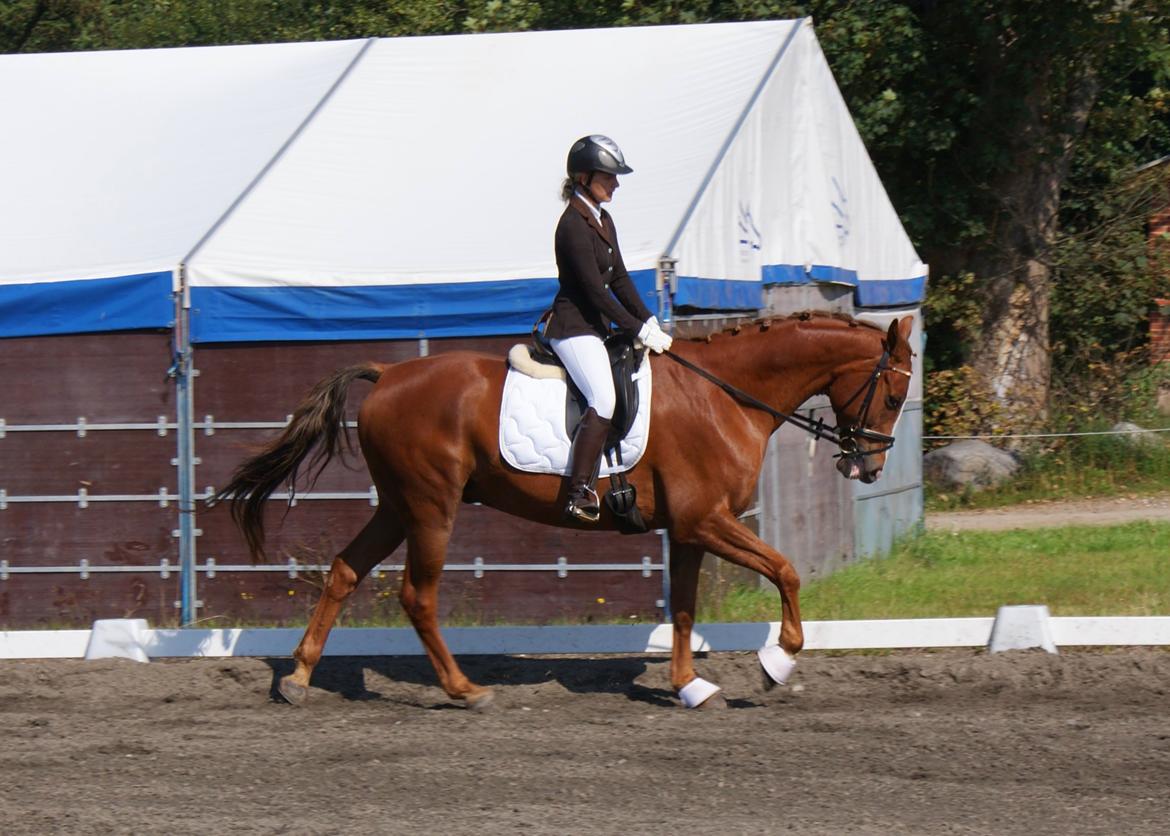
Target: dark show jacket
x=592, y=273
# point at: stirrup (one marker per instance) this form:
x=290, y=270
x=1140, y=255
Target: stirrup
x=586, y=508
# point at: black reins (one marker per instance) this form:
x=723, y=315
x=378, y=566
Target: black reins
x=845, y=438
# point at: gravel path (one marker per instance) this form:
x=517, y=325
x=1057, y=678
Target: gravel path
x=1100, y=511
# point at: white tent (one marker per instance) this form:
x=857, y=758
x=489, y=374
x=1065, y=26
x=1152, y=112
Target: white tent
x=408, y=187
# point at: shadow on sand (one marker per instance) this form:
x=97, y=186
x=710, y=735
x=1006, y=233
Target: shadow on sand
x=346, y=676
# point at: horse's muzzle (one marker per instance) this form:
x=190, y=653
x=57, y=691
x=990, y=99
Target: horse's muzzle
x=852, y=466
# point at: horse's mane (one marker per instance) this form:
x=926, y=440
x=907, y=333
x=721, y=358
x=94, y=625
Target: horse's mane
x=764, y=323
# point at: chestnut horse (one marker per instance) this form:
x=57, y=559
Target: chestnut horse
x=429, y=432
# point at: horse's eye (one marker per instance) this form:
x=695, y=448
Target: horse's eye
x=893, y=402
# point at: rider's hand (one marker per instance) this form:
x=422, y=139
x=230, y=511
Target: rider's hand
x=653, y=337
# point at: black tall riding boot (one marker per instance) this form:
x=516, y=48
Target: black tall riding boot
x=585, y=461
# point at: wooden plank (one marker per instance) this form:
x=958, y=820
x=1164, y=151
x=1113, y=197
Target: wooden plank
x=807, y=505
x=113, y=377
x=61, y=601
x=108, y=462
x=113, y=533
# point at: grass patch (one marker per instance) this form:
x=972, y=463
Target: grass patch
x=1114, y=570
x=1076, y=468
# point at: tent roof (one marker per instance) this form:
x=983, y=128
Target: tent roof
x=400, y=186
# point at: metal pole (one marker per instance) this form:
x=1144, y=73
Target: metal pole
x=664, y=278
x=667, y=613
x=185, y=459
x=730, y=138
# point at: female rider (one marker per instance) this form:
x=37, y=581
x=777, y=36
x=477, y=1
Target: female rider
x=595, y=291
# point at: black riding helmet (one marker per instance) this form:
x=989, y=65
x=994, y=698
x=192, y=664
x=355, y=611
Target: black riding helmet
x=596, y=153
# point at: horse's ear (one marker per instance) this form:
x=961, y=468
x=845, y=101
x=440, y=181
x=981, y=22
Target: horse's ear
x=898, y=335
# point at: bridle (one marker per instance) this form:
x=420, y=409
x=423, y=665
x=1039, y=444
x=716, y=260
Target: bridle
x=846, y=437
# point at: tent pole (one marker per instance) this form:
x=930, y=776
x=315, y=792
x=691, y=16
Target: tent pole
x=664, y=277
x=730, y=138
x=664, y=286
x=185, y=460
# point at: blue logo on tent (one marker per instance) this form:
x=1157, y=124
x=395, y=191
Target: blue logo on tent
x=749, y=234
x=841, y=213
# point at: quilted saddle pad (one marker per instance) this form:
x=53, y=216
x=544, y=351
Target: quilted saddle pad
x=532, y=424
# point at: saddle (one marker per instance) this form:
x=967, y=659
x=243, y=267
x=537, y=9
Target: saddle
x=625, y=358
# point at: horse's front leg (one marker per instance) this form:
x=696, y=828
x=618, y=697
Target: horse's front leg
x=694, y=691
x=724, y=535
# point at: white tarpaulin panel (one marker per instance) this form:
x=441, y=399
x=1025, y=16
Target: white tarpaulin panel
x=424, y=196
x=114, y=164
x=409, y=186
x=796, y=199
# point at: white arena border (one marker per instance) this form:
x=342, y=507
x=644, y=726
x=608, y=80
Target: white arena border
x=594, y=639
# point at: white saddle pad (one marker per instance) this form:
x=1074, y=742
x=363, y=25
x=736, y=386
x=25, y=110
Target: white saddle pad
x=532, y=424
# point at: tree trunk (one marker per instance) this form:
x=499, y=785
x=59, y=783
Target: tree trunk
x=1013, y=353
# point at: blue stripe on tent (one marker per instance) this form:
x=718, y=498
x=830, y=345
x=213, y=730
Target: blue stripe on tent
x=867, y=293
x=796, y=274
x=887, y=292
x=783, y=274
x=464, y=309
x=717, y=294
x=836, y=275
x=81, y=306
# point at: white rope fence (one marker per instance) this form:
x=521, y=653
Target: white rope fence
x=1041, y=435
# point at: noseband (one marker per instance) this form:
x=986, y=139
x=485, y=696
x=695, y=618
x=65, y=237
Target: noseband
x=845, y=438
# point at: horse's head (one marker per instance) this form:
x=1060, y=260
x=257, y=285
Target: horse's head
x=867, y=397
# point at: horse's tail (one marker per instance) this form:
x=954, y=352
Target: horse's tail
x=319, y=422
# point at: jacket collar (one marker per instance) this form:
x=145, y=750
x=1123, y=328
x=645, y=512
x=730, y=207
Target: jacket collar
x=580, y=206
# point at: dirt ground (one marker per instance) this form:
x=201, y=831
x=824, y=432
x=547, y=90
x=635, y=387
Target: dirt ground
x=1099, y=511
x=903, y=743
x=957, y=742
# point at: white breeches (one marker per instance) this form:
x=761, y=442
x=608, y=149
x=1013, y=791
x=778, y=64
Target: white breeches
x=587, y=362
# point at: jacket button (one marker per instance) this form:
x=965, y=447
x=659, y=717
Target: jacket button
x=606, y=286
x=610, y=250
x=609, y=269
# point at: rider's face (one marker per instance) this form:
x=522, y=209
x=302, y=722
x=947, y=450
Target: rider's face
x=602, y=187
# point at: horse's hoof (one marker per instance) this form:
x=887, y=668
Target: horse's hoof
x=715, y=702
x=767, y=683
x=776, y=664
x=481, y=703
x=699, y=692
x=293, y=692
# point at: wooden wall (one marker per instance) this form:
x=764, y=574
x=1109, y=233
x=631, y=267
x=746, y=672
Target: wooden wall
x=122, y=378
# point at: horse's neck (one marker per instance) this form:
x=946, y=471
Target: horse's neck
x=787, y=364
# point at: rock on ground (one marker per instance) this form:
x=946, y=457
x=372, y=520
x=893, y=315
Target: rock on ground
x=969, y=463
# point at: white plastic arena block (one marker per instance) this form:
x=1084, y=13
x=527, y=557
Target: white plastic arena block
x=118, y=638
x=1021, y=627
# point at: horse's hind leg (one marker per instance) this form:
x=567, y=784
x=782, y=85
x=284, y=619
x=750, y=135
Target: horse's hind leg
x=426, y=549
x=381, y=536
x=685, y=561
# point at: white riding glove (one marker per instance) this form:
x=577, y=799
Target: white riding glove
x=653, y=337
